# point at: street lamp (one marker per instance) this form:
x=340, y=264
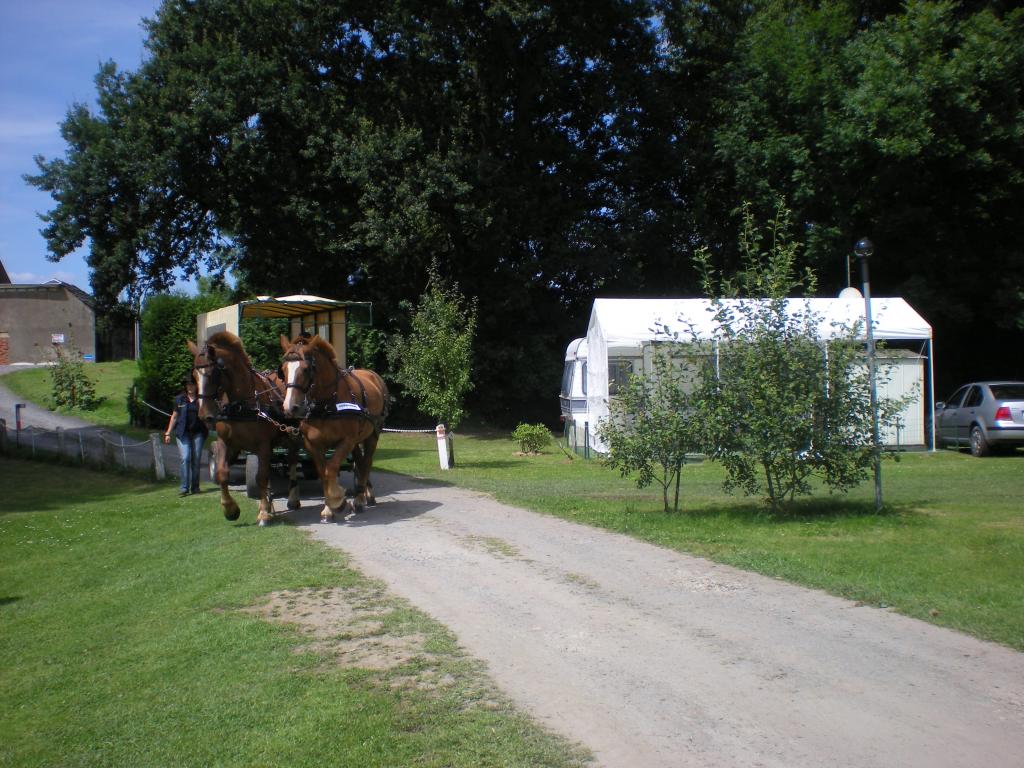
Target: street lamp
x=864, y=249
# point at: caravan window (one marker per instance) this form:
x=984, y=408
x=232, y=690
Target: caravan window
x=567, y=378
x=619, y=371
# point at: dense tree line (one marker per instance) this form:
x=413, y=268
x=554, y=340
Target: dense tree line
x=548, y=152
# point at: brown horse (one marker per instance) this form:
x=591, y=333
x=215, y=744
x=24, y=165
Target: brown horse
x=243, y=403
x=340, y=409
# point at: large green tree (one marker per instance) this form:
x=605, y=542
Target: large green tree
x=301, y=142
x=546, y=152
x=907, y=127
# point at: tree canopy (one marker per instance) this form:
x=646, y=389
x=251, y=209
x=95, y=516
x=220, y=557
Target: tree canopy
x=547, y=152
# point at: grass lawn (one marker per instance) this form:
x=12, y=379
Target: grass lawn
x=948, y=548
x=113, y=383
x=128, y=640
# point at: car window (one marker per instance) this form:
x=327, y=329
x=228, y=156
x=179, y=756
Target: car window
x=1008, y=391
x=974, y=397
x=953, y=401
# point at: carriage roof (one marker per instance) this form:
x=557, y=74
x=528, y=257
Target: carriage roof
x=326, y=317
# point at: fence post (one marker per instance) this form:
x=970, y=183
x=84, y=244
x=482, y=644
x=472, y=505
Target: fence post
x=442, y=446
x=124, y=454
x=17, y=424
x=81, y=446
x=60, y=440
x=158, y=455
x=3, y=435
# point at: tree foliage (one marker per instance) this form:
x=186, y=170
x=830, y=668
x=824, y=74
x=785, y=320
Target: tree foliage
x=434, y=361
x=786, y=398
x=652, y=426
x=544, y=155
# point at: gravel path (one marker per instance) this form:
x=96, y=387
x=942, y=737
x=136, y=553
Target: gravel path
x=652, y=658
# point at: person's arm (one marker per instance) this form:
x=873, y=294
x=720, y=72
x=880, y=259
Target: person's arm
x=171, y=423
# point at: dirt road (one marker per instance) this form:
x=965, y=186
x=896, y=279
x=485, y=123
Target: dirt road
x=651, y=658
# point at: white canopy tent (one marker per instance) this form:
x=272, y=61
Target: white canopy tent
x=622, y=329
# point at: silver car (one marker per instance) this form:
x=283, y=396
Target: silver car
x=986, y=416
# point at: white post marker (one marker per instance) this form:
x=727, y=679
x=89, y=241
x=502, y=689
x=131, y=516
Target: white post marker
x=442, y=446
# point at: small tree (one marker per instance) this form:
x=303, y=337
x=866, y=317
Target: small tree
x=780, y=404
x=70, y=386
x=650, y=428
x=434, y=362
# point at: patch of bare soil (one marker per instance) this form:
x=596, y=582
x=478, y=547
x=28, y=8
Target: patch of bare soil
x=348, y=625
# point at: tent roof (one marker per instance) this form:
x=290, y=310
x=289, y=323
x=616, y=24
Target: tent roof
x=625, y=322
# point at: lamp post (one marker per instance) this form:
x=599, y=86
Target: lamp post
x=864, y=249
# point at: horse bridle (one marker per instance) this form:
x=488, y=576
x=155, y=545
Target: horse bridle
x=293, y=357
x=218, y=368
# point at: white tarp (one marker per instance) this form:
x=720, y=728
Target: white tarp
x=623, y=327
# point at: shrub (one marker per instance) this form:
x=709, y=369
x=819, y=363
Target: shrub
x=532, y=437
x=70, y=386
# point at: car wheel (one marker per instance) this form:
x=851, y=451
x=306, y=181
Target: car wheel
x=979, y=445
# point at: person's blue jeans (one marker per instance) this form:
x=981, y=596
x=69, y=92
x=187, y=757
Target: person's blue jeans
x=190, y=448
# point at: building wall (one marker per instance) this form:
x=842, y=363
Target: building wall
x=32, y=316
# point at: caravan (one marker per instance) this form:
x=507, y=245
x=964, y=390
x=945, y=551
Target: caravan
x=622, y=333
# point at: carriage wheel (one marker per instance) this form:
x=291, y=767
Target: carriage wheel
x=213, y=466
x=252, y=468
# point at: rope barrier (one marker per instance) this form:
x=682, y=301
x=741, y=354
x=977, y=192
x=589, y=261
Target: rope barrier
x=411, y=431
x=153, y=407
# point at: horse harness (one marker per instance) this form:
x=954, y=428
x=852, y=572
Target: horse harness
x=333, y=407
x=241, y=410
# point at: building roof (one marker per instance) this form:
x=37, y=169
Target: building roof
x=52, y=285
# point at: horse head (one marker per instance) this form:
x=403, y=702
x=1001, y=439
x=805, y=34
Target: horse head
x=308, y=367
x=208, y=372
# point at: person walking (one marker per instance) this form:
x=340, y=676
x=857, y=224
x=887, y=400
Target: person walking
x=191, y=432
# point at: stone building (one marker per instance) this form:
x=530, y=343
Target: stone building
x=36, y=318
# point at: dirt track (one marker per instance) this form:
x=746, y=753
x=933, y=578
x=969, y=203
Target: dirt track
x=651, y=658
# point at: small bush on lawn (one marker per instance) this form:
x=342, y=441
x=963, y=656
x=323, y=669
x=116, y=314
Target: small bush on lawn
x=532, y=437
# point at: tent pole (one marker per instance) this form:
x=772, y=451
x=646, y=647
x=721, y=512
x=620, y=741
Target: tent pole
x=931, y=390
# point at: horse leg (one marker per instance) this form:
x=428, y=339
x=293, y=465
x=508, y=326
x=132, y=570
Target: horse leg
x=294, y=500
x=224, y=461
x=334, y=495
x=266, y=511
x=364, y=488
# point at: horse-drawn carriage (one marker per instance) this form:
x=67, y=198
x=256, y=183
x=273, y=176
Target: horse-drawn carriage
x=249, y=407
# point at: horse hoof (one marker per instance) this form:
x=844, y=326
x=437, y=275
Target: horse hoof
x=263, y=523
x=294, y=505
x=232, y=514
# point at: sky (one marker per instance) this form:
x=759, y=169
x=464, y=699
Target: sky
x=50, y=51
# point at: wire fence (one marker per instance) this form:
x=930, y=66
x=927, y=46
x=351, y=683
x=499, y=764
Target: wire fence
x=92, y=446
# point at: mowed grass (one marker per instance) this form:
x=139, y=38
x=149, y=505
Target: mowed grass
x=113, y=382
x=948, y=547
x=124, y=643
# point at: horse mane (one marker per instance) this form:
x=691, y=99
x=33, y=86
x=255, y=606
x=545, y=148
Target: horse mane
x=228, y=340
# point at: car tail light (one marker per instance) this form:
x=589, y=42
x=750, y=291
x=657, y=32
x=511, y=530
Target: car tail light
x=1003, y=414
